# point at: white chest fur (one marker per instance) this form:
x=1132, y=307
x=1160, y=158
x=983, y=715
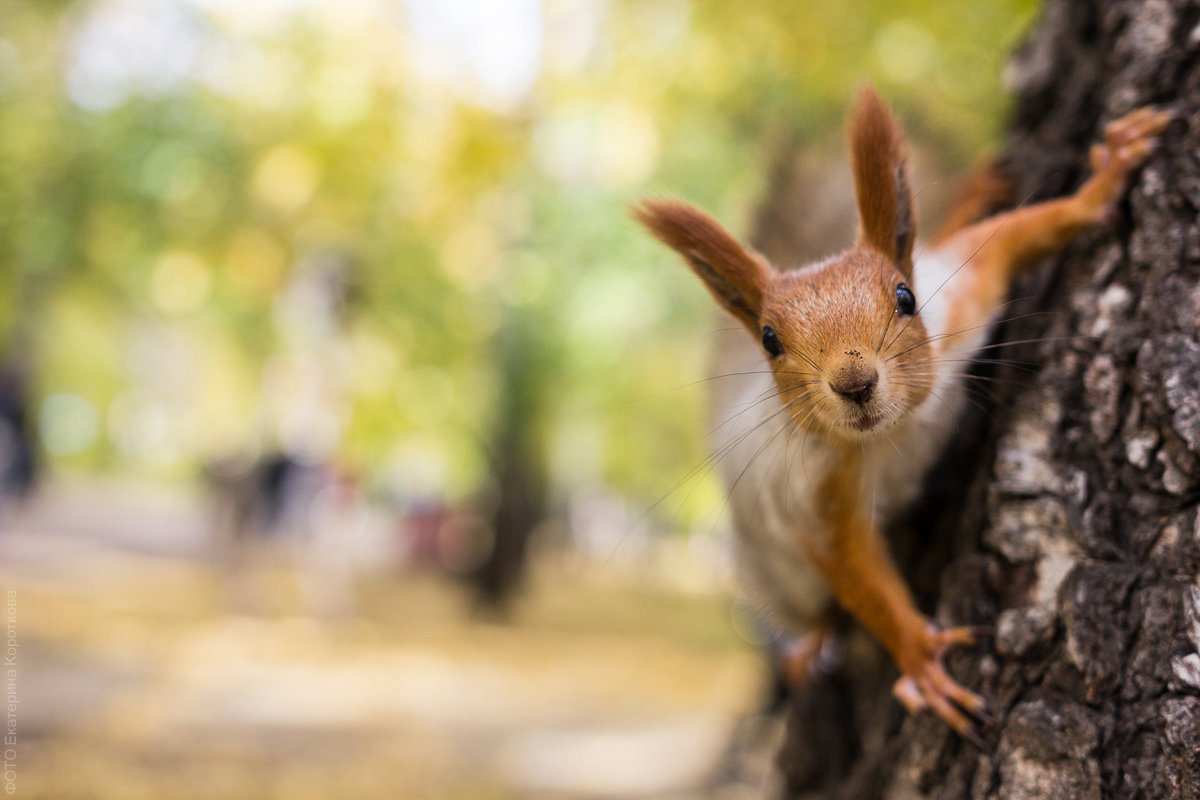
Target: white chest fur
x=772, y=469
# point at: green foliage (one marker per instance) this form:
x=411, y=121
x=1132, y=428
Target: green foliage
x=148, y=229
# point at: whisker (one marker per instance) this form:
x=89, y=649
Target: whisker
x=941, y=336
x=706, y=465
x=888, y=327
x=711, y=379
x=766, y=396
x=801, y=356
x=966, y=376
x=759, y=451
x=969, y=258
x=999, y=361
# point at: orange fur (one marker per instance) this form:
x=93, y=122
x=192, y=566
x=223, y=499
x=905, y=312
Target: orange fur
x=880, y=181
x=735, y=277
x=830, y=327
x=854, y=559
x=984, y=192
x=997, y=249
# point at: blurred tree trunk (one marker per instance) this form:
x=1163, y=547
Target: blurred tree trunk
x=518, y=469
x=1066, y=515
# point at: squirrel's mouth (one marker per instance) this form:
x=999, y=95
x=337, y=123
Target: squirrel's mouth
x=866, y=422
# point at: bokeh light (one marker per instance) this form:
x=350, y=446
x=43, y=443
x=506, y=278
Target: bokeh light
x=306, y=303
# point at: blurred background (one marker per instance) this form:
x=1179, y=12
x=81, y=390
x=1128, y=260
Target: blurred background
x=351, y=435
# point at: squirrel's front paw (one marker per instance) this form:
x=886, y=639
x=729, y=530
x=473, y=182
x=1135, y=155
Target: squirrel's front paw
x=1128, y=142
x=925, y=684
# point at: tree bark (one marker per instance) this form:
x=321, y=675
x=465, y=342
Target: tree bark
x=518, y=467
x=1065, y=515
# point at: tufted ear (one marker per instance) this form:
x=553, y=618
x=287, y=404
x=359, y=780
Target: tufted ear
x=734, y=275
x=887, y=223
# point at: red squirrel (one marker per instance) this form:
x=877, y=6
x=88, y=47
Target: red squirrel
x=867, y=352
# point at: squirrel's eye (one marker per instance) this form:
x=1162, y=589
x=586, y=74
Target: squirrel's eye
x=771, y=342
x=906, y=301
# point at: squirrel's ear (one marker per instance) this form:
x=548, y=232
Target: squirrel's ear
x=735, y=276
x=885, y=208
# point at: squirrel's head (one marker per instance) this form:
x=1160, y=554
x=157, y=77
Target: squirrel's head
x=849, y=352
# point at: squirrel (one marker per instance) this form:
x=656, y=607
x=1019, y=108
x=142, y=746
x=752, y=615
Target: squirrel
x=865, y=355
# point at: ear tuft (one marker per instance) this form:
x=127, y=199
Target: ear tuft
x=736, y=277
x=885, y=207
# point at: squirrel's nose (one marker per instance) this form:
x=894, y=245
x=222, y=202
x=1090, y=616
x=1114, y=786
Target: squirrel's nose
x=855, y=386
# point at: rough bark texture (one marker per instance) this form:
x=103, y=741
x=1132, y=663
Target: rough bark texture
x=1066, y=516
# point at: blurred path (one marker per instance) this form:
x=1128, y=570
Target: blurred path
x=142, y=674
x=71, y=518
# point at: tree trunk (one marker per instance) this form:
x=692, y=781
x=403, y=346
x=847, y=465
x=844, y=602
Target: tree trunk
x=1065, y=516
x=518, y=466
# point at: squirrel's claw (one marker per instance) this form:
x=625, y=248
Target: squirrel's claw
x=941, y=695
x=1137, y=125
x=974, y=738
x=969, y=634
x=909, y=695
x=1129, y=140
x=929, y=687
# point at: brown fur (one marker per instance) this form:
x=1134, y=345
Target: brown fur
x=734, y=276
x=998, y=248
x=855, y=561
x=839, y=323
x=987, y=190
x=881, y=187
